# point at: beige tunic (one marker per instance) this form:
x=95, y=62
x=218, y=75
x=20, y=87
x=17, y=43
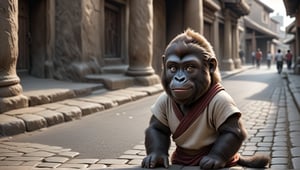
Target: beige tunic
x=203, y=131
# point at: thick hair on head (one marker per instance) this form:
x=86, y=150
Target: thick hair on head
x=192, y=42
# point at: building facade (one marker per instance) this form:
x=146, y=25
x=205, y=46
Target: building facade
x=71, y=40
x=261, y=31
x=292, y=9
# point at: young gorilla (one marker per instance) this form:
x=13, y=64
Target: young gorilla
x=201, y=117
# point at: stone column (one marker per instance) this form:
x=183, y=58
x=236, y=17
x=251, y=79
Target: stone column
x=227, y=62
x=10, y=89
x=235, y=46
x=193, y=15
x=141, y=40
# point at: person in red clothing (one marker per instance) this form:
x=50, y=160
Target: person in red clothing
x=258, y=57
x=289, y=57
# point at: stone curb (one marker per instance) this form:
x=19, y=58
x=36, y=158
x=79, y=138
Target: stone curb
x=294, y=88
x=41, y=116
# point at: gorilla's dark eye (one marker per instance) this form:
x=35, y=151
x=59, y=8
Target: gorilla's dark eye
x=189, y=69
x=173, y=69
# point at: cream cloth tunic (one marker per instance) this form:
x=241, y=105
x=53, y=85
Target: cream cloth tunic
x=203, y=131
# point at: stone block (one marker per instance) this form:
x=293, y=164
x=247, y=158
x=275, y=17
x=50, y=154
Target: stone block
x=15, y=102
x=52, y=117
x=70, y=112
x=33, y=122
x=27, y=110
x=86, y=108
x=11, y=126
x=105, y=101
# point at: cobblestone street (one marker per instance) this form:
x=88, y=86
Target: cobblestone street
x=273, y=128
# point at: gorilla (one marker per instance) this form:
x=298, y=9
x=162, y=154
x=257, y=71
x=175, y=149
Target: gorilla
x=196, y=111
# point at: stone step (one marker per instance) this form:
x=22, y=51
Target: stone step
x=111, y=81
x=115, y=69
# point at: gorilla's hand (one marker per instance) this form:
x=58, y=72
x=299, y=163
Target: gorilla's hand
x=212, y=162
x=155, y=160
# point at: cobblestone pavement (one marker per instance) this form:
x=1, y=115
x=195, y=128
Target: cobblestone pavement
x=273, y=127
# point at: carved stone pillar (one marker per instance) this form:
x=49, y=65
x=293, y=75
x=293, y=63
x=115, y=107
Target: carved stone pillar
x=193, y=15
x=10, y=89
x=235, y=46
x=141, y=39
x=227, y=62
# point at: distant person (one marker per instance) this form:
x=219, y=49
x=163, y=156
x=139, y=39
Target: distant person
x=269, y=59
x=241, y=53
x=289, y=57
x=253, y=57
x=279, y=60
x=258, y=57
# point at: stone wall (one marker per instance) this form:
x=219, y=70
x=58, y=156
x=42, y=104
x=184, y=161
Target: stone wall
x=76, y=40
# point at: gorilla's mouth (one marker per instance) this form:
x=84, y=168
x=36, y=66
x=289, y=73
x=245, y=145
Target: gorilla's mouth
x=182, y=93
x=181, y=89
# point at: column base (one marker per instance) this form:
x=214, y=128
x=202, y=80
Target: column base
x=15, y=102
x=140, y=71
x=238, y=63
x=147, y=80
x=227, y=65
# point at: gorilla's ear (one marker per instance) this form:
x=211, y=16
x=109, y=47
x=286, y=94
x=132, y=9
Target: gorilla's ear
x=163, y=59
x=212, y=62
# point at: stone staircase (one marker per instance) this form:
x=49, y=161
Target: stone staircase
x=112, y=77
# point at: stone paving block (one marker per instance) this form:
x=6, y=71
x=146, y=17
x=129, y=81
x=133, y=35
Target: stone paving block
x=48, y=165
x=120, y=99
x=280, y=154
x=10, y=163
x=295, y=152
x=83, y=161
x=296, y=163
x=131, y=157
x=33, y=122
x=97, y=166
x=139, y=147
x=135, y=95
x=27, y=110
x=11, y=126
x=52, y=117
x=150, y=90
x=52, y=106
x=68, y=154
x=135, y=162
x=105, y=101
x=126, y=167
x=70, y=112
x=113, y=161
x=276, y=161
x=39, y=154
x=11, y=154
x=26, y=150
x=77, y=166
x=280, y=167
x=27, y=158
x=56, y=159
x=31, y=163
x=86, y=107
x=16, y=168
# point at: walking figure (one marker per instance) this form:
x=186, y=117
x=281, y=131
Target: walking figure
x=258, y=57
x=288, y=58
x=269, y=59
x=279, y=60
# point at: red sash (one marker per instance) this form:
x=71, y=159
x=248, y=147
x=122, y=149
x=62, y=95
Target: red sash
x=195, y=112
x=183, y=156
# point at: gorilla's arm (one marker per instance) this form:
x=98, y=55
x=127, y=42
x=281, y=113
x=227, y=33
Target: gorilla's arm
x=232, y=134
x=157, y=144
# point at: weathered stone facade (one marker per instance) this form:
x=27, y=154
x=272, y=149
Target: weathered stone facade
x=92, y=40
